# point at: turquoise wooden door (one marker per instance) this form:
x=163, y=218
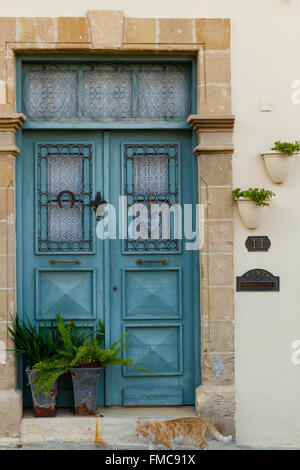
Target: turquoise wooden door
x=66, y=268
x=153, y=287
x=62, y=260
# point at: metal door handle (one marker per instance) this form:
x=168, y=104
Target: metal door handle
x=142, y=261
x=54, y=261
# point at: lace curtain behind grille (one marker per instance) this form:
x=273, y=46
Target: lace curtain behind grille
x=78, y=94
x=64, y=172
x=50, y=94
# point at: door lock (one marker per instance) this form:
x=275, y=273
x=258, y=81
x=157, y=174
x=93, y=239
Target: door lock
x=98, y=204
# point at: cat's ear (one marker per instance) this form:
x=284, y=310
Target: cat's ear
x=137, y=421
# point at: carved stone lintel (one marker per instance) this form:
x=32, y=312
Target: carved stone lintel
x=213, y=149
x=211, y=123
x=11, y=150
x=205, y=125
x=11, y=122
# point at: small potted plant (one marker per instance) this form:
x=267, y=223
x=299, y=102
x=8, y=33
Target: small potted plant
x=250, y=204
x=281, y=159
x=36, y=345
x=83, y=356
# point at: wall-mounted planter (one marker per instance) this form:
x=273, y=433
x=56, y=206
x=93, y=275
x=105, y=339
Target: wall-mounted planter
x=279, y=165
x=250, y=213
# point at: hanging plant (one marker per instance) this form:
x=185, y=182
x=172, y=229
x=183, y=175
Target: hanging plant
x=287, y=148
x=281, y=160
x=261, y=197
x=250, y=203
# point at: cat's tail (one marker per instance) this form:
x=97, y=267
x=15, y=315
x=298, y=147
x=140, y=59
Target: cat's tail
x=217, y=435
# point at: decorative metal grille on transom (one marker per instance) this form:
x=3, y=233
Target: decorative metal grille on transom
x=151, y=188
x=64, y=168
x=95, y=91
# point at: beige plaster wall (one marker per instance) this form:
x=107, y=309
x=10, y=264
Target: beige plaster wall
x=265, y=62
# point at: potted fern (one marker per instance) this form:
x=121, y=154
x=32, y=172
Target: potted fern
x=251, y=203
x=83, y=356
x=281, y=160
x=36, y=345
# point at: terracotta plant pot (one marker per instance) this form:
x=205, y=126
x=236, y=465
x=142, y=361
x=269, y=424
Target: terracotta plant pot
x=250, y=213
x=279, y=165
x=43, y=406
x=85, y=386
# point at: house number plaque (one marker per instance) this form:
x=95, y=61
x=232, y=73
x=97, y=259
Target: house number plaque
x=257, y=280
x=258, y=243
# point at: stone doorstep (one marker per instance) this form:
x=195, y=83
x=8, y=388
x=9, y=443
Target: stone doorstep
x=9, y=442
x=111, y=427
x=98, y=430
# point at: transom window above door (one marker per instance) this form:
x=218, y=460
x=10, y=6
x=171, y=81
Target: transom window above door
x=106, y=91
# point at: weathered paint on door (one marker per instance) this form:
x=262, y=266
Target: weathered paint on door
x=53, y=162
x=153, y=302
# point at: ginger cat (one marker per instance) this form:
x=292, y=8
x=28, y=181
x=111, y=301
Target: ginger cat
x=165, y=432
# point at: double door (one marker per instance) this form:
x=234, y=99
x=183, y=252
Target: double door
x=135, y=282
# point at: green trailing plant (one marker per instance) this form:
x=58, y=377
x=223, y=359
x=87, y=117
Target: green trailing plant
x=288, y=148
x=259, y=196
x=34, y=344
x=80, y=350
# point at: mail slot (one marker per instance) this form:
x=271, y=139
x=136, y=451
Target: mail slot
x=257, y=280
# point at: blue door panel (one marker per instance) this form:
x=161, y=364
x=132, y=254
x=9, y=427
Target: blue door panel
x=142, y=396
x=52, y=236
x=153, y=302
x=69, y=292
x=155, y=347
x=152, y=293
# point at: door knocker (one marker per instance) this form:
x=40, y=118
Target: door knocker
x=98, y=204
x=65, y=192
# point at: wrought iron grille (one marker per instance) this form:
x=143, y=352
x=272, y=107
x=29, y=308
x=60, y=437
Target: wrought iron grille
x=64, y=225
x=116, y=91
x=151, y=178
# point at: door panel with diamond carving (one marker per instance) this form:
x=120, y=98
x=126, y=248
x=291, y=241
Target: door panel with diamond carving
x=152, y=274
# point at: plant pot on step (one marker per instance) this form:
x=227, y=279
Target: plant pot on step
x=85, y=387
x=279, y=165
x=43, y=406
x=250, y=213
